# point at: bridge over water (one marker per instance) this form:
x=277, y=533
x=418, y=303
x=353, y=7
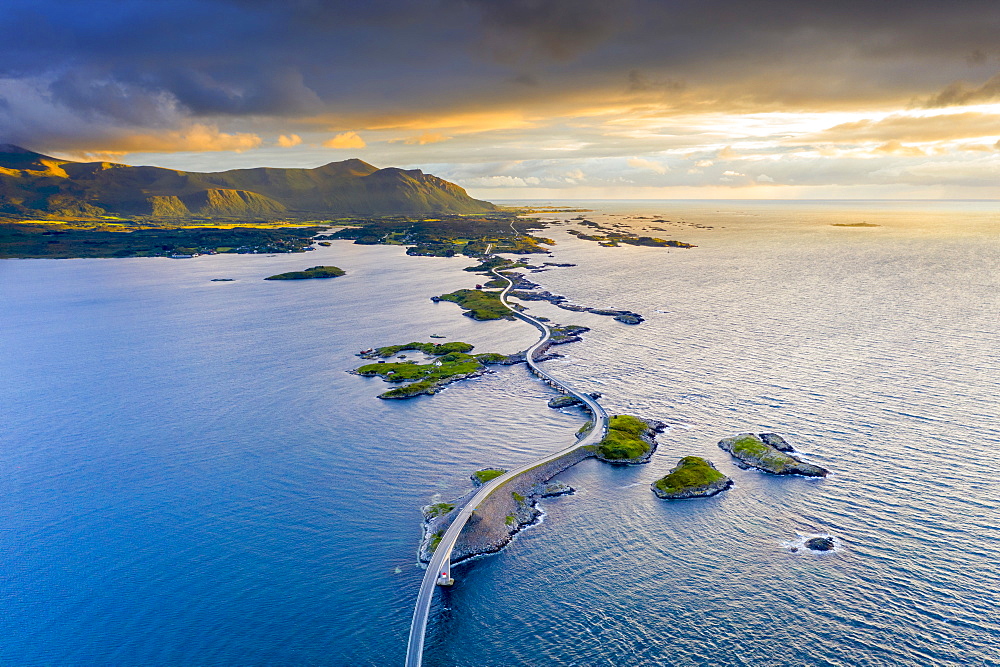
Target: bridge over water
x=439, y=569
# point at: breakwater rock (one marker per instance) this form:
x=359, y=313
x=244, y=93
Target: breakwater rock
x=692, y=477
x=552, y=490
x=526, y=291
x=568, y=401
x=752, y=451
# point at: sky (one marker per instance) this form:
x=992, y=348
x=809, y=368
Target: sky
x=525, y=99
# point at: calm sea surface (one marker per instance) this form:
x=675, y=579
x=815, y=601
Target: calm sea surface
x=188, y=476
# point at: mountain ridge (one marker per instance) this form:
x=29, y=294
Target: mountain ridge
x=37, y=185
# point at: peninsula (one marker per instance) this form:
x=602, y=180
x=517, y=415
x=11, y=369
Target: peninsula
x=42, y=187
x=449, y=362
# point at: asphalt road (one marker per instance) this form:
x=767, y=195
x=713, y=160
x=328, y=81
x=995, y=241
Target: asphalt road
x=440, y=565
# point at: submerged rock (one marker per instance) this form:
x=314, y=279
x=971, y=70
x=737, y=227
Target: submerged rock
x=692, y=477
x=750, y=451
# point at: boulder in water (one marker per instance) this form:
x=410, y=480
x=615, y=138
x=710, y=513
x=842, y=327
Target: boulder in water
x=820, y=543
x=777, y=442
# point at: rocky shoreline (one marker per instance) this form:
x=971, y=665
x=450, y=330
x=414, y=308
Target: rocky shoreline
x=389, y=363
x=503, y=514
x=526, y=290
x=511, y=508
x=402, y=393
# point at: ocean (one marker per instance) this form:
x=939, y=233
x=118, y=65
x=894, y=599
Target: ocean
x=188, y=474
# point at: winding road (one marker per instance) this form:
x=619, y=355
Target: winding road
x=439, y=569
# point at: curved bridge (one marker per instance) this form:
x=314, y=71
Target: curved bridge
x=439, y=569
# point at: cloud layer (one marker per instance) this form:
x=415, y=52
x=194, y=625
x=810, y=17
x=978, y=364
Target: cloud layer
x=519, y=93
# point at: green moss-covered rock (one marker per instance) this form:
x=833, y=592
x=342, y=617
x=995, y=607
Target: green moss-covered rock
x=564, y=402
x=314, y=272
x=451, y=362
x=629, y=440
x=435, y=350
x=437, y=509
x=692, y=477
x=750, y=451
x=480, y=477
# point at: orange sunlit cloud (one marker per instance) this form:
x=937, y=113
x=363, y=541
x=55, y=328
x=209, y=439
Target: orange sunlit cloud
x=345, y=140
x=288, y=141
x=422, y=139
x=196, y=138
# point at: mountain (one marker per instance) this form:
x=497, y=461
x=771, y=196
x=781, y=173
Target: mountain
x=37, y=185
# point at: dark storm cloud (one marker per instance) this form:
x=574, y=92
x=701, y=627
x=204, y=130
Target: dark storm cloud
x=559, y=29
x=151, y=63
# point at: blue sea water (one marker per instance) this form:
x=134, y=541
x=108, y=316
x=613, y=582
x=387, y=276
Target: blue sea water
x=189, y=476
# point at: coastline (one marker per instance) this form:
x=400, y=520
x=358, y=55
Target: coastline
x=489, y=529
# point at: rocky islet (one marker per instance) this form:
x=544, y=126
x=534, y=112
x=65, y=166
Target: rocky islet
x=753, y=451
x=692, y=477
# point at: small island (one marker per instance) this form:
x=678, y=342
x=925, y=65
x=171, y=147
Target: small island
x=450, y=362
x=478, y=304
x=692, y=477
x=612, y=239
x=753, y=451
x=630, y=440
x=854, y=224
x=565, y=401
x=314, y=272
x=491, y=262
